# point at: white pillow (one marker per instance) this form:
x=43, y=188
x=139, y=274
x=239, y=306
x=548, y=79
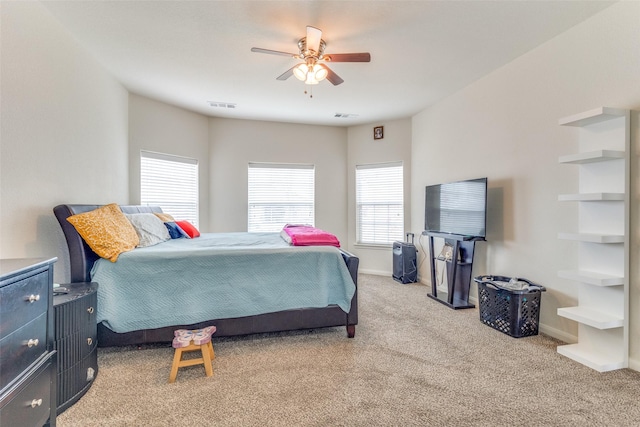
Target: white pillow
x=149, y=228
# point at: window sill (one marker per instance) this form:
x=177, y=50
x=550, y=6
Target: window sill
x=374, y=246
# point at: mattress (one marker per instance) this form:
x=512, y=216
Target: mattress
x=217, y=276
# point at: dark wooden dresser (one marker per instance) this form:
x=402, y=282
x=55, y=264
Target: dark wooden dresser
x=75, y=341
x=27, y=357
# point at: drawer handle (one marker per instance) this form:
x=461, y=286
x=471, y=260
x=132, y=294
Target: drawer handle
x=32, y=342
x=89, y=341
x=33, y=298
x=36, y=402
x=90, y=310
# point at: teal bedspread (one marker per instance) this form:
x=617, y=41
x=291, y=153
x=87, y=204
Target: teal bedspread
x=217, y=276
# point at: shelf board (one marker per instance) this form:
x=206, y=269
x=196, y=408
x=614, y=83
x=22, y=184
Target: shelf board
x=592, y=157
x=591, y=197
x=591, y=117
x=592, y=237
x=599, y=362
x=591, y=317
x=591, y=277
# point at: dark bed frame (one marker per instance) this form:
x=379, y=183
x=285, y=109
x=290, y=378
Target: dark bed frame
x=81, y=259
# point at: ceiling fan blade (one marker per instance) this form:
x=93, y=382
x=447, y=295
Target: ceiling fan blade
x=274, y=52
x=331, y=76
x=314, y=35
x=348, y=57
x=286, y=74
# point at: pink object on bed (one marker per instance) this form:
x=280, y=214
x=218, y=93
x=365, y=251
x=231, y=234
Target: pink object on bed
x=305, y=235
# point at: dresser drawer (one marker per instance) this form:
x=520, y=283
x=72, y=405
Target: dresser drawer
x=74, y=382
x=22, y=348
x=29, y=403
x=22, y=301
x=76, y=310
x=73, y=348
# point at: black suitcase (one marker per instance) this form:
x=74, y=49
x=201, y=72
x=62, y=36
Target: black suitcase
x=405, y=268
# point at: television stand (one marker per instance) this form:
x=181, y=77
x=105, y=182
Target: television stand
x=458, y=268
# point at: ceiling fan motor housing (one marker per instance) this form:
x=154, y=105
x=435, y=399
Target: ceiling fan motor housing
x=306, y=53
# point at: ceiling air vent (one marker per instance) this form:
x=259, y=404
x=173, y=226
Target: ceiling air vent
x=221, y=104
x=345, y=115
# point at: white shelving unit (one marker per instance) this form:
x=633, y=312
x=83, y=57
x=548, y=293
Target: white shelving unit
x=602, y=237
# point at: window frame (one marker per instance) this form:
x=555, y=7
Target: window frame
x=190, y=196
x=273, y=226
x=361, y=240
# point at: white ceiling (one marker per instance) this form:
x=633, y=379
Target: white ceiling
x=187, y=53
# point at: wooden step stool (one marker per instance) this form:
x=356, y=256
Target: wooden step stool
x=185, y=341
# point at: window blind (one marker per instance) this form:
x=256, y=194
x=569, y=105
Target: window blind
x=280, y=194
x=379, y=203
x=170, y=182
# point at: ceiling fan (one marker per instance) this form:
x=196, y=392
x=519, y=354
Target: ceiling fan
x=311, y=51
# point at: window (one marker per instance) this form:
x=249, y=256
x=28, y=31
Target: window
x=170, y=182
x=379, y=203
x=280, y=194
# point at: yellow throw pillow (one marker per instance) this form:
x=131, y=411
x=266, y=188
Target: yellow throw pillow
x=164, y=217
x=106, y=230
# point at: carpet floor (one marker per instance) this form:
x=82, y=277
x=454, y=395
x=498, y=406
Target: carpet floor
x=413, y=362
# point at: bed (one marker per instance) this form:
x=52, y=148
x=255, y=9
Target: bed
x=115, y=328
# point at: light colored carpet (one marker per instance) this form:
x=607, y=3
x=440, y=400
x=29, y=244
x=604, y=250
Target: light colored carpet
x=413, y=362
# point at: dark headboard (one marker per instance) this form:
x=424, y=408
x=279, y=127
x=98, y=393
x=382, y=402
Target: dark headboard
x=81, y=257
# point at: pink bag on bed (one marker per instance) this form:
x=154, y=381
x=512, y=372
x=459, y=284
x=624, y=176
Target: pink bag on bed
x=305, y=235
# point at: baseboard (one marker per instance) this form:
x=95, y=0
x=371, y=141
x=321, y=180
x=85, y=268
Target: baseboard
x=557, y=334
x=376, y=272
x=634, y=365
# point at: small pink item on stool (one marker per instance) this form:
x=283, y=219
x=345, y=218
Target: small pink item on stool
x=192, y=340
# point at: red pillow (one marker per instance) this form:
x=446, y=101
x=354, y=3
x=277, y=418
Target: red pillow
x=188, y=228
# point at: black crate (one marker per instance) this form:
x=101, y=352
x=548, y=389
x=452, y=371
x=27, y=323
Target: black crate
x=513, y=312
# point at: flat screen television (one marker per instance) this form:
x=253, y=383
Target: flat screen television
x=458, y=208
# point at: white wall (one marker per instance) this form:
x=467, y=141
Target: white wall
x=363, y=149
x=63, y=133
x=235, y=143
x=159, y=127
x=505, y=127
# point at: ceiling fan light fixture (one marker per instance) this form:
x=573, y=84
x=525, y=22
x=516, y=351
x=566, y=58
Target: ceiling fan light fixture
x=301, y=72
x=310, y=73
x=311, y=79
x=319, y=72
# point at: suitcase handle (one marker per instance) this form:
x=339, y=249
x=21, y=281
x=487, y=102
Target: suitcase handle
x=410, y=234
